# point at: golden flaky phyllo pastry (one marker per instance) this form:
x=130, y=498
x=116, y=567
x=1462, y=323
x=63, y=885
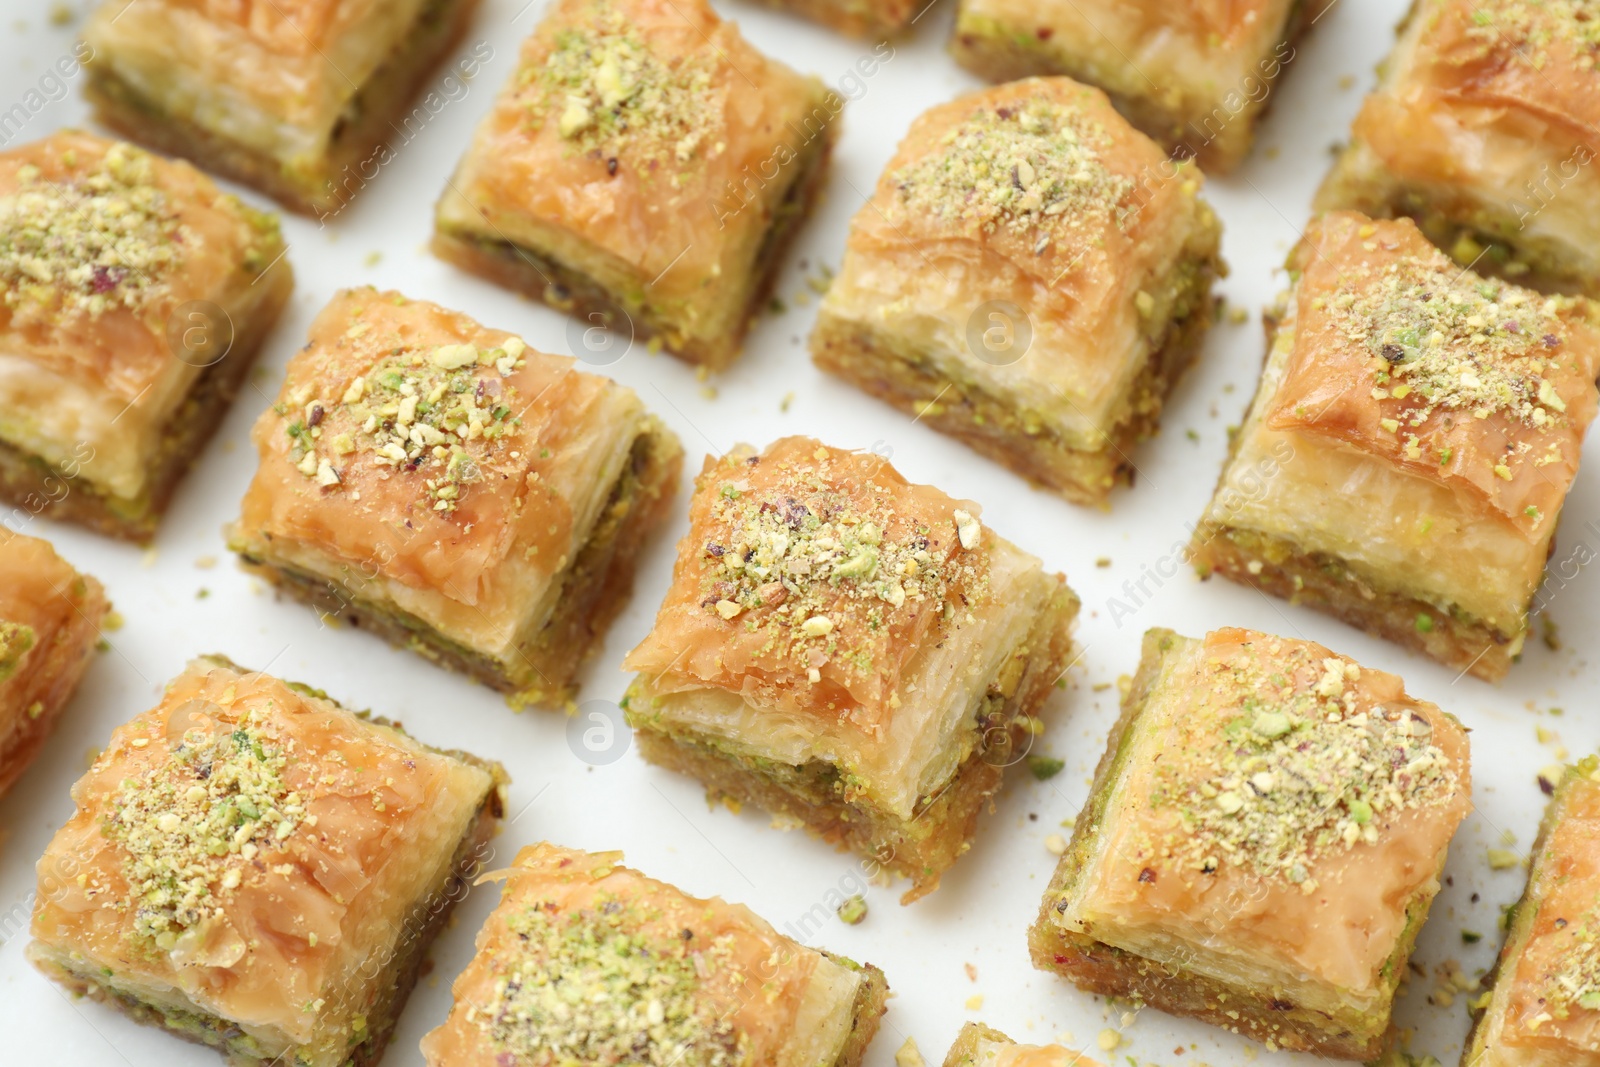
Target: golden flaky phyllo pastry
x=849, y=650
x=1262, y=841
x=252, y=866
x=1412, y=443
x=978, y=1045
x=1196, y=75
x=134, y=294
x=1543, y=1008
x=455, y=490
x=665, y=978
x=49, y=622
x=1482, y=129
x=1031, y=276
x=644, y=169
x=295, y=97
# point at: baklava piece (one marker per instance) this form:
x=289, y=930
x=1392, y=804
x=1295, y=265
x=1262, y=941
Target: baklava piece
x=1482, y=129
x=1031, y=277
x=296, y=98
x=49, y=622
x=1262, y=841
x=981, y=1046
x=455, y=491
x=133, y=296
x=1415, y=434
x=256, y=868
x=1543, y=1009
x=1195, y=75
x=644, y=169
x=589, y=962
x=850, y=652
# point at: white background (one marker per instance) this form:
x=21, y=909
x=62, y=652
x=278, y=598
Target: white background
x=987, y=901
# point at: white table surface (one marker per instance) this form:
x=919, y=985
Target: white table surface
x=188, y=597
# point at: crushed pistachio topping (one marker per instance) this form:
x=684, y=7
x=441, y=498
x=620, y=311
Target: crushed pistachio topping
x=15, y=640
x=1445, y=341
x=1034, y=166
x=416, y=411
x=587, y=986
x=1531, y=27
x=800, y=561
x=608, y=91
x=193, y=824
x=96, y=242
x=1305, y=766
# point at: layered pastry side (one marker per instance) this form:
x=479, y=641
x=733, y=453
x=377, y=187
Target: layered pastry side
x=300, y=99
x=1261, y=844
x=134, y=295
x=1196, y=75
x=1031, y=276
x=455, y=491
x=256, y=868
x=1484, y=129
x=644, y=169
x=587, y=961
x=1415, y=435
x=1543, y=1008
x=851, y=652
x=50, y=617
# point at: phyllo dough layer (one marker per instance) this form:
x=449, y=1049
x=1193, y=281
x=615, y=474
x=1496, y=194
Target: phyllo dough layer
x=1544, y=1006
x=980, y=1046
x=49, y=622
x=133, y=296
x=1262, y=841
x=1031, y=276
x=1483, y=129
x=464, y=495
x=849, y=651
x=294, y=97
x=1196, y=75
x=643, y=169
x=1411, y=446
x=254, y=867
x=663, y=978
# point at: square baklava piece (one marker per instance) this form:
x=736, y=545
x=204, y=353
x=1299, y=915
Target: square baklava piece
x=982, y=1046
x=296, y=98
x=1412, y=442
x=133, y=296
x=850, y=652
x=1214, y=65
x=589, y=962
x=257, y=868
x=455, y=491
x=1261, y=843
x=1031, y=276
x=49, y=623
x=1543, y=1008
x=1482, y=129
x=644, y=169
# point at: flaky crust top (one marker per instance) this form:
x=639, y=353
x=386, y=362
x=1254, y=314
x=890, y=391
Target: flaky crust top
x=809, y=579
x=411, y=442
x=648, y=127
x=1486, y=387
x=669, y=978
x=101, y=243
